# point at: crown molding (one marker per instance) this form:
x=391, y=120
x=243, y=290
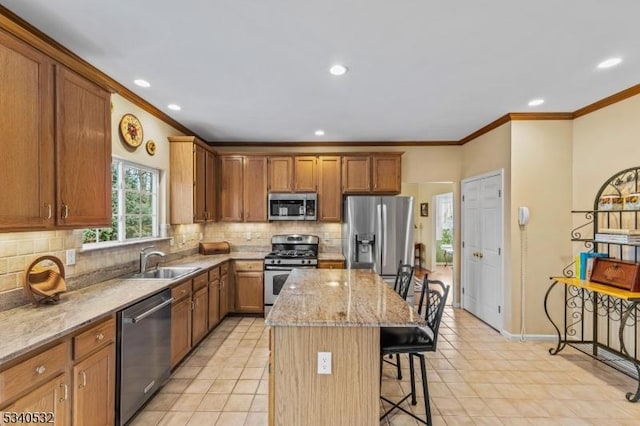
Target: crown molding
x=515, y=116
x=609, y=100
x=266, y=144
x=29, y=34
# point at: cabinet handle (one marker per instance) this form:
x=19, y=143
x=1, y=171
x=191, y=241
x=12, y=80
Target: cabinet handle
x=66, y=392
x=193, y=305
x=84, y=380
x=41, y=369
x=49, y=211
x=99, y=336
x=65, y=211
x=184, y=291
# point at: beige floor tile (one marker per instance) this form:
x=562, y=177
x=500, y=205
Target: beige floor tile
x=176, y=418
x=246, y=386
x=486, y=421
x=187, y=402
x=260, y=403
x=203, y=418
x=175, y=386
x=199, y=386
x=263, y=387
x=184, y=372
x=231, y=419
x=147, y=418
x=213, y=402
x=222, y=386
x=458, y=420
x=237, y=402
x=230, y=373
x=252, y=373
x=162, y=401
x=256, y=419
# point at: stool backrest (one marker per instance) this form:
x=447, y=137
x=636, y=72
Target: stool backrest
x=403, y=280
x=437, y=294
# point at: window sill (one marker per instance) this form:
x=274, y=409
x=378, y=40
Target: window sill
x=118, y=244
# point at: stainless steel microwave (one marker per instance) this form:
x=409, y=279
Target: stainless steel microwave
x=302, y=206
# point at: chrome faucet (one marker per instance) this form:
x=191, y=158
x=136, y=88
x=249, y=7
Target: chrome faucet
x=145, y=255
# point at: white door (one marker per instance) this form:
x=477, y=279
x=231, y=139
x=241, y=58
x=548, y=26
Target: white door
x=482, y=247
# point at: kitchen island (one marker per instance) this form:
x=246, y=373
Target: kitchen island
x=338, y=311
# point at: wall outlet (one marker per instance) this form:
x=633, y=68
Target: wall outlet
x=183, y=239
x=171, y=241
x=324, y=362
x=327, y=236
x=71, y=257
x=248, y=236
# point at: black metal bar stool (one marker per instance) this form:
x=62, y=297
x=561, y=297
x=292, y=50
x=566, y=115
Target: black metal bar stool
x=401, y=286
x=416, y=340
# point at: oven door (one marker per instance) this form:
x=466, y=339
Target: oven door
x=274, y=279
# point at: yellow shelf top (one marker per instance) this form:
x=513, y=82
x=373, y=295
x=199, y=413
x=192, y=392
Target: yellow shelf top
x=599, y=288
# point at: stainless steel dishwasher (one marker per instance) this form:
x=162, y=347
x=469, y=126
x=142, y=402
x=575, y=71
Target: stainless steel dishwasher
x=144, y=352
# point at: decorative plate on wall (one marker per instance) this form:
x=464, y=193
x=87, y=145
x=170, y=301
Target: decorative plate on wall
x=151, y=147
x=131, y=130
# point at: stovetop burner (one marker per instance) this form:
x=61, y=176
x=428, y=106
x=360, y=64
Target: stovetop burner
x=290, y=254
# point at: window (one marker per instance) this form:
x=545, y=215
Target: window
x=134, y=204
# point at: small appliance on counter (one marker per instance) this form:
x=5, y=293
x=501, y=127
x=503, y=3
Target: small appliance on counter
x=288, y=252
x=42, y=284
x=218, y=247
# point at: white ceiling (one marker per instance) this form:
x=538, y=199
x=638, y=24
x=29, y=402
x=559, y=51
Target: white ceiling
x=419, y=69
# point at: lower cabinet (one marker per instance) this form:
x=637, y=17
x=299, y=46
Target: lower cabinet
x=224, y=290
x=249, y=287
x=214, y=297
x=200, y=315
x=180, y=323
x=94, y=388
x=49, y=399
x=331, y=264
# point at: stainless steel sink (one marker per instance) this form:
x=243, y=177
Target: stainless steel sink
x=163, y=273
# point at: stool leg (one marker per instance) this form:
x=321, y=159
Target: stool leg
x=399, y=368
x=425, y=388
x=413, y=381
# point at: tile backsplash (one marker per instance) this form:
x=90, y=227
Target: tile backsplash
x=19, y=249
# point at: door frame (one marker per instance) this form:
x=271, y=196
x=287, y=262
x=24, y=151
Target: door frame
x=463, y=278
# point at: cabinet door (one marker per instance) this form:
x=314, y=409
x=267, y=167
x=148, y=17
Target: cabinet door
x=280, y=174
x=330, y=264
x=214, y=303
x=180, y=330
x=386, y=174
x=200, y=315
x=199, y=184
x=255, y=189
x=305, y=179
x=83, y=152
x=356, y=174
x=329, y=189
x=210, y=187
x=51, y=397
x=231, y=174
x=94, y=389
x=224, y=295
x=26, y=132
x=249, y=292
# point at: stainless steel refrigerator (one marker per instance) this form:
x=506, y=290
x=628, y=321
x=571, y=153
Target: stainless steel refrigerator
x=377, y=233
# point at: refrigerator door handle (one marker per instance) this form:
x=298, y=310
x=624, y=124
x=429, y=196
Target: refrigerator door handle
x=378, y=260
x=385, y=235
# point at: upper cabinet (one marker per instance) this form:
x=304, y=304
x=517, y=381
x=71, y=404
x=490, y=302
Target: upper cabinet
x=26, y=163
x=329, y=194
x=292, y=174
x=192, y=183
x=243, y=192
x=54, y=122
x=376, y=173
x=83, y=133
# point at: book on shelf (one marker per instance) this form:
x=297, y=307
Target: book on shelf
x=617, y=238
x=586, y=263
x=619, y=231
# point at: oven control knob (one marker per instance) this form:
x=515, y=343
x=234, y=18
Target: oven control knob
x=279, y=261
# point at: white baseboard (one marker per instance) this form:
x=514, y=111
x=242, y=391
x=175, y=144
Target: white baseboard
x=537, y=337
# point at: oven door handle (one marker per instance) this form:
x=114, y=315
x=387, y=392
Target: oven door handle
x=287, y=268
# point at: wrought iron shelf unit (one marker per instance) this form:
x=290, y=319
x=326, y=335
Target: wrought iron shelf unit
x=599, y=320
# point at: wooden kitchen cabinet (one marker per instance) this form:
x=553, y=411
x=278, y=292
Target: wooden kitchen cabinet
x=51, y=397
x=249, y=286
x=255, y=189
x=214, y=297
x=305, y=174
x=192, y=181
x=356, y=174
x=224, y=290
x=385, y=174
x=329, y=189
x=94, y=388
x=180, y=322
x=231, y=189
x=280, y=174
x=26, y=163
x=330, y=264
x=200, y=316
x=83, y=152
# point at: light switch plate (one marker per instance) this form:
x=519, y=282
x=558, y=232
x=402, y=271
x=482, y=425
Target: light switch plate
x=71, y=257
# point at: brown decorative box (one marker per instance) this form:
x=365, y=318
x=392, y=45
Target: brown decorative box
x=220, y=247
x=616, y=273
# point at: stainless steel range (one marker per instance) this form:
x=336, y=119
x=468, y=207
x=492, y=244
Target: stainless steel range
x=288, y=252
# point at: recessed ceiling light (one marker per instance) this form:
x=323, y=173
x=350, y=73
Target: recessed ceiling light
x=142, y=83
x=338, y=69
x=319, y=132
x=174, y=107
x=611, y=62
x=536, y=102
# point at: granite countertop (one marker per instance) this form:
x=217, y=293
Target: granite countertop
x=330, y=256
x=26, y=328
x=340, y=298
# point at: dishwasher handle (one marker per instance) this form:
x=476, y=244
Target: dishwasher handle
x=151, y=311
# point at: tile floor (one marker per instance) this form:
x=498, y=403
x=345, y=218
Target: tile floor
x=475, y=377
